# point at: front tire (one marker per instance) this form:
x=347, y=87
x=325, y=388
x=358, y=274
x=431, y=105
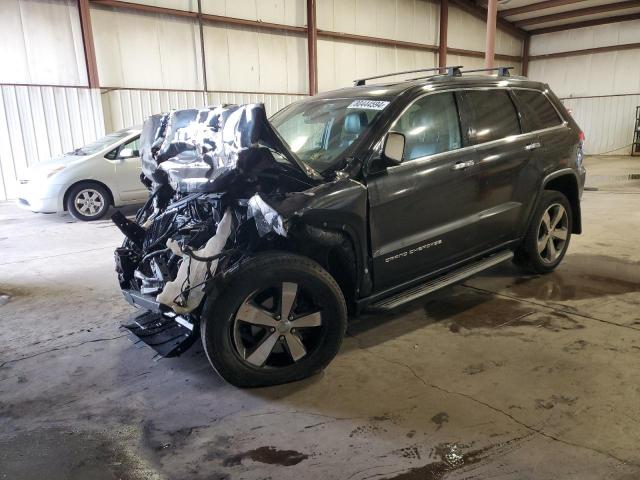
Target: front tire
x=88, y=201
x=547, y=239
x=281, y=318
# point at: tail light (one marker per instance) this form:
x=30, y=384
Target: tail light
x=580, y=156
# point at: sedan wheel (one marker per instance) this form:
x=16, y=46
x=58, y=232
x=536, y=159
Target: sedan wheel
x=89, y=202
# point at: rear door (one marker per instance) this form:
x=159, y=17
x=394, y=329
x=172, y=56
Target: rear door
x=550, y=129
x=503, y=177
x=420, y=210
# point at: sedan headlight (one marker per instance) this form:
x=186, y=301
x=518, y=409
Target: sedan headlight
x=51, y=172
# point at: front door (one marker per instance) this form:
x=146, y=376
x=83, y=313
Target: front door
x=128, y=168
x=421, y=210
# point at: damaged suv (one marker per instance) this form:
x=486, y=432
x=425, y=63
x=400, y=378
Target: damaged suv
x=263, y=235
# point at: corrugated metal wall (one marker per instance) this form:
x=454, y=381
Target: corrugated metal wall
x=148, y=50
x=37, y=123
x=123, y=108
x=41, y=42
x=288, y=12
x=469, y=32
x=143, y=50
x=246, y=59
x=606, y=121
x=607, y=84
x=341, y=61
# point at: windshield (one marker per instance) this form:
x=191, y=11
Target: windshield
x=101, y=143
x=320, y=131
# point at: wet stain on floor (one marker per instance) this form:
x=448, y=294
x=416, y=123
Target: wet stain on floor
x=470, y=310
x=269, y=455
x=581, y=277
x=440, y=419
x=555, y=400
x=452, y=457
x=68, y=455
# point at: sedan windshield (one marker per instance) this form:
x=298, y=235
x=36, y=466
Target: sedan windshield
x=320, y=131
x=101, y=143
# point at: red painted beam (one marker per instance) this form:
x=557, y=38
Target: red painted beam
x=554, y=17
x=525, y=55
x=444, y=26
x=586, y=23
x=587, y=51
x=87, y=42
x=312, y=46
x=490, y=42
x=536, y=7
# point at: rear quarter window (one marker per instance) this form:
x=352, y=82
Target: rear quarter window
x=491, y=115
x=538, y=110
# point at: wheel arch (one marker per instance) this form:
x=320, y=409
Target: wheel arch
x=333, y=249
x=88, y=182
x=566, y=182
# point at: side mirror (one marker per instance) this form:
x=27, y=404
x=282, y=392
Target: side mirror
x=126, y=153
x=393, y=150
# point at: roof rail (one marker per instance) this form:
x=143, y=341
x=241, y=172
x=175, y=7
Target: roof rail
x=451, y=71
x=502, y=71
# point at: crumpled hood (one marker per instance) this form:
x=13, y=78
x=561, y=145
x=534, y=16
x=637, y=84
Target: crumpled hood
x=202, y=149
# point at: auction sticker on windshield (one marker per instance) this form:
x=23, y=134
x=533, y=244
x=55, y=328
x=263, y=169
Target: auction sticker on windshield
x=369, y=104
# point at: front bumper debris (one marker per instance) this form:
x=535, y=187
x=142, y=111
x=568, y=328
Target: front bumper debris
x=167, y=333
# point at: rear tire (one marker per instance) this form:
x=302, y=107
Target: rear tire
x=280, y=318
x=547, y=239
x=88, y=201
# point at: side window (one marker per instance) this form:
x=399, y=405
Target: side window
x=538, y=109
x=112, y=154
x=492, y=115
x=430, y=125
x=133, y=144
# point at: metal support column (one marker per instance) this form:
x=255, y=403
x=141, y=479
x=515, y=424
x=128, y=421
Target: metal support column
x=202, y=50
x=525, y=55
x=312, y=44
x=444, y=24
x=490, y=47
x=87, y=42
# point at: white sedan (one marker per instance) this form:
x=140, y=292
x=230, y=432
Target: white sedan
x=88, y=180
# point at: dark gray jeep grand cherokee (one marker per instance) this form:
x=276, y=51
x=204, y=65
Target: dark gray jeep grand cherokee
x=263, y=236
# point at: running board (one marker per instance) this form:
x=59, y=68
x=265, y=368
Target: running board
x=450, y=278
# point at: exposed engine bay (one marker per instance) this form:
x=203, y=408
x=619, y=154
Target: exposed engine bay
x=223, y=186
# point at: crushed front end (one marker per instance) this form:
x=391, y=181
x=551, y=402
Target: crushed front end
x=222, y=187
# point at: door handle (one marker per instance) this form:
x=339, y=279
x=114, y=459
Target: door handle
x=533, y=146
x=463, y=165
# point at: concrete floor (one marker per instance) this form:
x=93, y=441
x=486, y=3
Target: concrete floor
x=506, y=376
